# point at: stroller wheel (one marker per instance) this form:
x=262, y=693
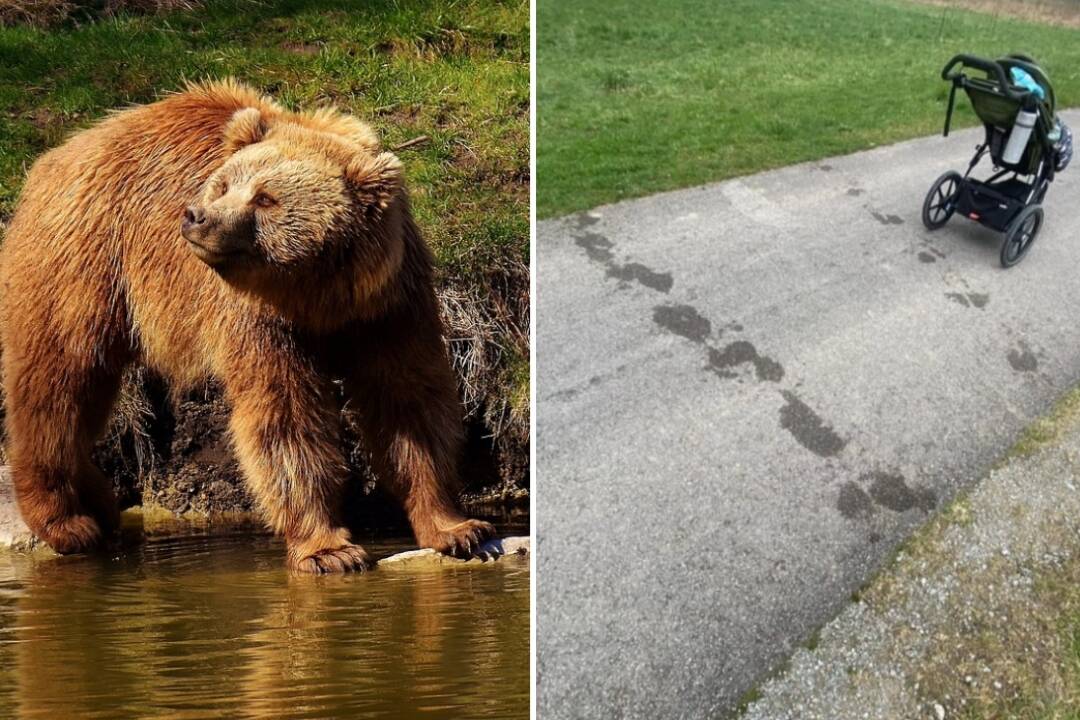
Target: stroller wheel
x=940, y=202
x=1021, y=234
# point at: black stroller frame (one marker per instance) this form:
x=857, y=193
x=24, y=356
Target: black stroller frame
x=1010, y=200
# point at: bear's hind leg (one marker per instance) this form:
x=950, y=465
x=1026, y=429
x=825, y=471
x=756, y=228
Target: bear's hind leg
x=52, y=423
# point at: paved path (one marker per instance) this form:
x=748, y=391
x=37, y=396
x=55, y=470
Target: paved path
x=749, y=392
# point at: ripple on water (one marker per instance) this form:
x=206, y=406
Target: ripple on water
x=216, y=627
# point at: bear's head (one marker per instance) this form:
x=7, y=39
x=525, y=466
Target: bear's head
x=301, y=202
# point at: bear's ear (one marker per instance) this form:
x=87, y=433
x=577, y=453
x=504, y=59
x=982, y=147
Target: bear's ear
x=245, y=127
x=376, y=179
x=331, y=121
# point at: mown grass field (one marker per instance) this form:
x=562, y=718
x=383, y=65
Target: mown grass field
x=456, y=71
x=635, y=97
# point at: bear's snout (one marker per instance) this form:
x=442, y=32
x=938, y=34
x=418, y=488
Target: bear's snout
x=193, y=216
x=216, y=236
x=193, y=226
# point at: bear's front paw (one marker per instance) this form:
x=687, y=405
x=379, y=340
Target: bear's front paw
x=462, y=540
x=347, y=558
x=73, y=534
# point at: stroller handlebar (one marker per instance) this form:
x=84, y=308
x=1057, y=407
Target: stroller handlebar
x=990, y=67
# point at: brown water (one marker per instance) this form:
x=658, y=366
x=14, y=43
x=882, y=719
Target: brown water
x=212, y=627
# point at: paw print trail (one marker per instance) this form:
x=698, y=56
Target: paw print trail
x=599, y=249
x=857, y=500
x=726, y=361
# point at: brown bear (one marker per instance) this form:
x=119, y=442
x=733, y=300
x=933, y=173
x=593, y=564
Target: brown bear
x=213, y=234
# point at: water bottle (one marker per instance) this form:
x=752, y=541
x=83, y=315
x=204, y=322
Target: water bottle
x=1018, y=138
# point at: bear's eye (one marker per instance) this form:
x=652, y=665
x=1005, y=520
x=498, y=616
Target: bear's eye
x=264, y=200
x=224, y=188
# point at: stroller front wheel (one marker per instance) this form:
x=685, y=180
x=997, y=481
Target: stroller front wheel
x=1021, y=234
x=940, y=202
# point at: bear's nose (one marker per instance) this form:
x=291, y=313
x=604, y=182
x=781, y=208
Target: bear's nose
x=194, y=216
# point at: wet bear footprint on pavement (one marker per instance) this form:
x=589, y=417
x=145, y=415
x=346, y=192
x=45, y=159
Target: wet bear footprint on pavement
x=726, y=361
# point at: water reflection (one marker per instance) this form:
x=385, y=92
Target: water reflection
x=215, y=627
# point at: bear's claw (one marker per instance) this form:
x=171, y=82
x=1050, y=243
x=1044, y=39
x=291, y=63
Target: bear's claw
x=464, y=539
x=348, y=558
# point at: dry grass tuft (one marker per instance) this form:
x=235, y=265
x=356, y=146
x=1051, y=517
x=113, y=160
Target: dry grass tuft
x=484, y=337
x=1065, y=13
x=470, y=340
x=39, y=13
x=131, y=420
x=114, y=7
x=45, y=13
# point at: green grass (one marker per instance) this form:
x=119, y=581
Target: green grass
x=1046, y=430
x=454, y=70
x=636, y=97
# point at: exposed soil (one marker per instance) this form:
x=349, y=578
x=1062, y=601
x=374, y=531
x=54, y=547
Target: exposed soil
x=175, y=454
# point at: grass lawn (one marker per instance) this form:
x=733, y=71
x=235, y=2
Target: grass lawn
x=456, y=71
x=635, y=96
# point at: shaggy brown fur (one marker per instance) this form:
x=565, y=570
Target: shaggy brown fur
x=296, y=262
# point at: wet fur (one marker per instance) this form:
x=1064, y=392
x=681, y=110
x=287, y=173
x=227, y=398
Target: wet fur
x=95, y=276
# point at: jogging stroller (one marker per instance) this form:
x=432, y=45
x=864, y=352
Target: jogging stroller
x=1027, y=144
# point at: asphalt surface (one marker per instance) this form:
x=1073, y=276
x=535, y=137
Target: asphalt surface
x=749, y=392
